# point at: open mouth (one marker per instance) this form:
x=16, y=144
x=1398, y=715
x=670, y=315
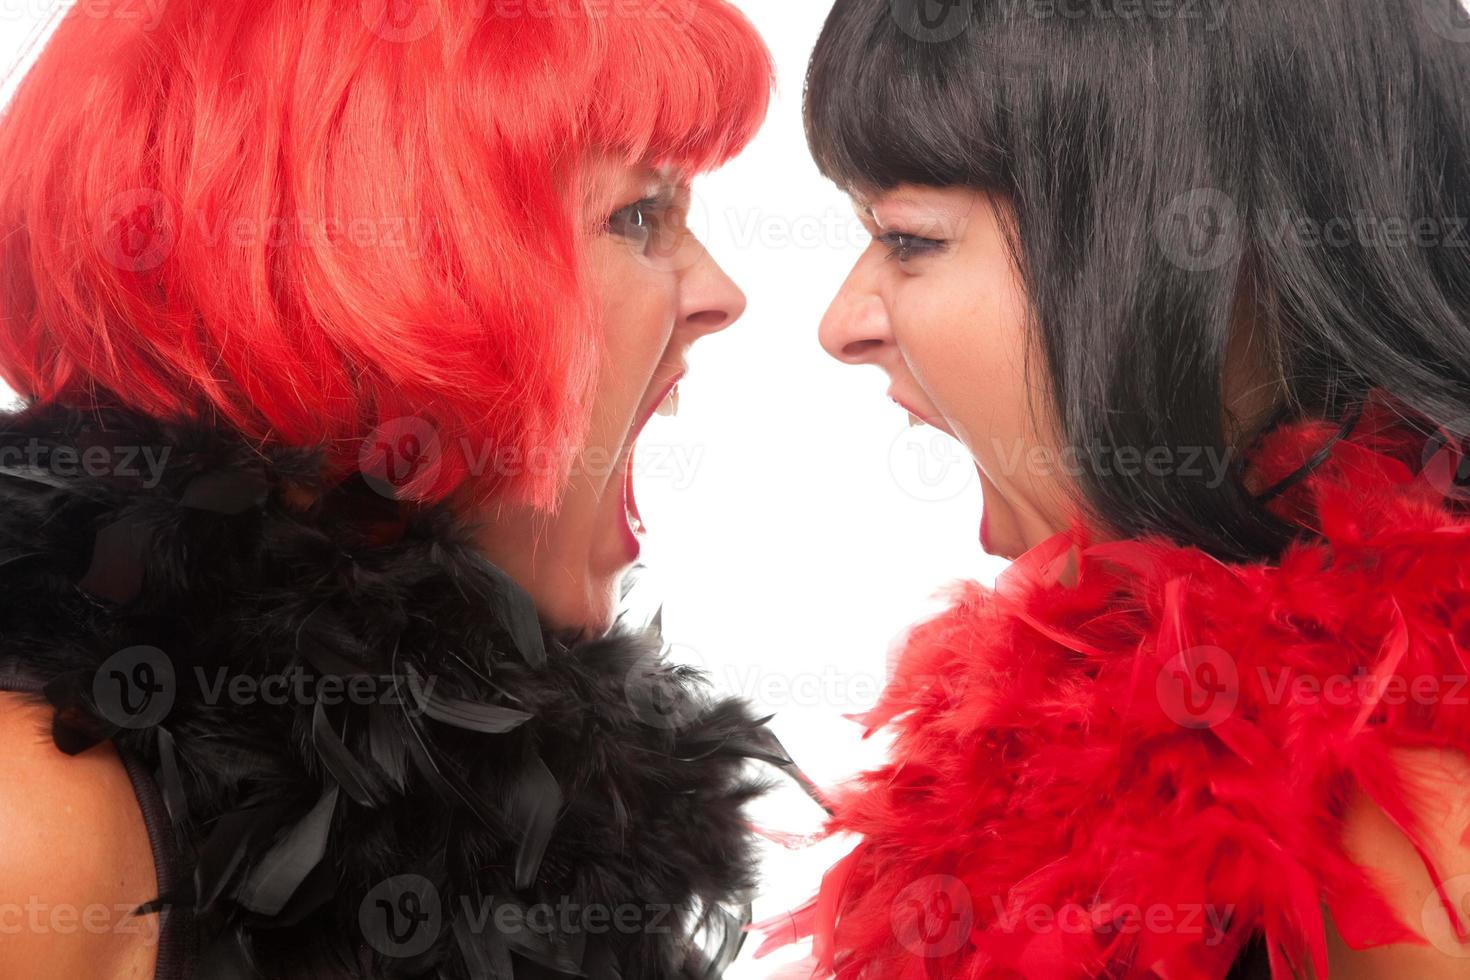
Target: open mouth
x=987, y=542
x=634, y=527
x=920, y=418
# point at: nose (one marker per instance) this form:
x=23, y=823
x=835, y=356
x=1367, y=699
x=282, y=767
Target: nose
x=856, y=329
x=709, y=299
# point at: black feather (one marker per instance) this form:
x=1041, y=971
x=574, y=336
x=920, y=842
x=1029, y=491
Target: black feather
x=533, y=807
x=282, y=869
x=526, y=771
x=492, y=719
x=356, y=779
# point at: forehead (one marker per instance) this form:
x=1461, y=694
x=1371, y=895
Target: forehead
x=916, y=198
x=612, y=171
x=608, y=176
x=906, y=194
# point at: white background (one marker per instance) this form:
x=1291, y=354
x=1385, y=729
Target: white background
x=797, y=524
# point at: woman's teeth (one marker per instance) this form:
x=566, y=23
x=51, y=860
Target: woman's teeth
x=670, y=405
x=915, y=420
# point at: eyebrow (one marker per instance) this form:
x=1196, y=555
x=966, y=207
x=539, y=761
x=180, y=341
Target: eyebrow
x=659, y=182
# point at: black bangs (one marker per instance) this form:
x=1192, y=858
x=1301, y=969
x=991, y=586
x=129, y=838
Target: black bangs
x=890, y=102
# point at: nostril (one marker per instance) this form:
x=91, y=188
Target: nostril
x=859, y=349
x=708, y=319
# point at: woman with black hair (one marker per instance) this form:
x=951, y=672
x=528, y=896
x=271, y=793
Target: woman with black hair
x=1190, y=281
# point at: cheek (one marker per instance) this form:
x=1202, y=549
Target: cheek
x=964, y=338
x=964, y=335
x=638, y=319
x=638, y=308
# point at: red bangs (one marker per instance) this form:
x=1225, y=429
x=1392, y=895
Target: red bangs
x=331, y=226
x=692, y=95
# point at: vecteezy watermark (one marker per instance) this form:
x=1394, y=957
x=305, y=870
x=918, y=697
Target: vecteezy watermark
x=1434, y=918
x=679, y=12
x=1200, y=229
x=932, y=466
x=138, y=687
x=135, y=687
x=406, y=21
x=138, y=229
x=404, y=916
x=37, y=917
x=1211, y=923
x=148, y=14
x=400, y=21
x=1199, y=687
x=1210, y=12
x=1445, y=461
x=1202, y=686
x=929, y=465
x=831, y=228
x=935, y=21
x=933, y=916
x=1203, y=229
x=936, y=916
x=932, y=21
x=1447, y=18
x=297, y=685
x=144, y=464
x=403, y=456
x=1368, y=229
x=1364, y=688
x=831, y=686
x=1209, y=464
x=661, y=692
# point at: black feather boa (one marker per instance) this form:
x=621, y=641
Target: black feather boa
x=376, y=760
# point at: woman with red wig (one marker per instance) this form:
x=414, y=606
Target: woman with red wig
x=335, y=325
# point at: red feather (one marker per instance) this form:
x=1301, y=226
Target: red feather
x=1132, y=775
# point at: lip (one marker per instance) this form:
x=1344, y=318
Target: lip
x=632, y=536
x=921, y=416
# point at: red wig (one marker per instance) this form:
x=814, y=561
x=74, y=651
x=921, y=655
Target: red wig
x=310, y=219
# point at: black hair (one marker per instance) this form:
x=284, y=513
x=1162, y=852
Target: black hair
x=1172, y=168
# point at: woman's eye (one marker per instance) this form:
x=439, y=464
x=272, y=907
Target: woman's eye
x=905, y=247
x=634, y=222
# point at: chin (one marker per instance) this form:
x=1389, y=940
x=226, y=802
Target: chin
x=578, y=611
x=595, y=612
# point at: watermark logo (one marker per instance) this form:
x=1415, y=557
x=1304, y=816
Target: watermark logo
x=929, y=465
x=402, y=917
x=932, y=917
x=400, y=21
x=402, y=457
x=1435, y=921
x=137, y=230
x=675, y=239
x=1446, y=465
x=1200, y=230
x=932, y=21
x=135, y=688
x=1199, y=687
x=1447, y=18
x=658, y=688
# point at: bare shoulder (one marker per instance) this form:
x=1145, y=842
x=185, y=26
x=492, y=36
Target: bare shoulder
x=1438, y=783
x=76, y=858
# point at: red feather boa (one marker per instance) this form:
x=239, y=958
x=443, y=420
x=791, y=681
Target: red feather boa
x=1131, y=776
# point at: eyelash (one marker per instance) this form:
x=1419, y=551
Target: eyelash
x=904, y=247
x=653, y=211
